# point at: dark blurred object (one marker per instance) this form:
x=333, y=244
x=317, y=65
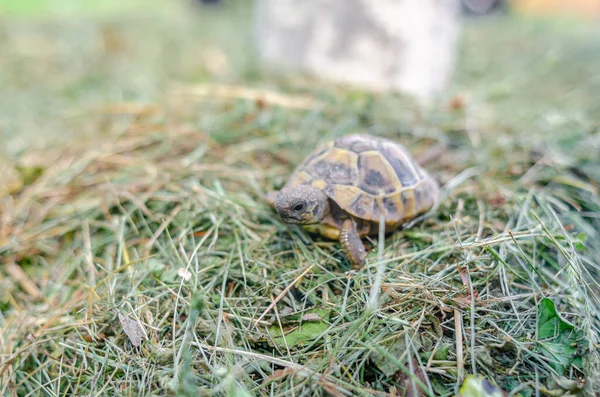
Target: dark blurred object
x=482, y=7
x=210, y=2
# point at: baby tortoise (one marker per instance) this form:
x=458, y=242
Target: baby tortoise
x=343, y=187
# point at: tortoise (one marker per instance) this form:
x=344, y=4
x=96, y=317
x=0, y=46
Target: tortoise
x=344, y=188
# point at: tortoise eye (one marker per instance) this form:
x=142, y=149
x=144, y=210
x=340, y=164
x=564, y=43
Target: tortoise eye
x=299, y=207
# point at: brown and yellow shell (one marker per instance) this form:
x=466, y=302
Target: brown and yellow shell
x=367, y=177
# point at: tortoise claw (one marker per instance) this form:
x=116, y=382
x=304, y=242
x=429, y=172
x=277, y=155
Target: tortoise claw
x=352, y=245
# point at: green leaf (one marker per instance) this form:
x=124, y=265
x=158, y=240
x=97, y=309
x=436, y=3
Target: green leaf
x=579, y=244
x=478, y=386
x=397, y=348
x=439, y=387
x=558, y=338
x=550, y=324
x=578, y=362
x=440, y=354
x=306, y=332
x=155, y=266
x=560, y=354
x=435, y=325
x=169, y=276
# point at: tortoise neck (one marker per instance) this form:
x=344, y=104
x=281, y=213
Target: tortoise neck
x=326, y=208
x=321, y=206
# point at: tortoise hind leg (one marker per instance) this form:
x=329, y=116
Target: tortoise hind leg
x=352, y=245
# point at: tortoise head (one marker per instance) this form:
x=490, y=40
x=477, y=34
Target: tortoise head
x=302, y=205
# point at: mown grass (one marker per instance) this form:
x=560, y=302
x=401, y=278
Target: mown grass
x=150, y=205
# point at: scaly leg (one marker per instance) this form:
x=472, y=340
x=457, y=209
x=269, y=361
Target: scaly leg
x=352, y=245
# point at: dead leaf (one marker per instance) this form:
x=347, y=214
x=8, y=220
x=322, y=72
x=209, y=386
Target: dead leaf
x=278, y=374
x=456, y=103
x=184, y=274
x=311, y=317
x=464, y=276
x=574, y=386
x=409, y=385
x=496, y=200
x=133, y=329
x=464, y=300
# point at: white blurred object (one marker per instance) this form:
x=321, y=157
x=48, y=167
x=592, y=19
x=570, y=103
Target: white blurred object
x=397, y=45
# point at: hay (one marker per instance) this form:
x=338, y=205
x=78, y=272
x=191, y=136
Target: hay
x=161, y=222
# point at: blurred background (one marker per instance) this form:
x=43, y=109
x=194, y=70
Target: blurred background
x=157, y=106
x=61, y=60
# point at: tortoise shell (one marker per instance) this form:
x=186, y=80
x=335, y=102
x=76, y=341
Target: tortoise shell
x=367, y=177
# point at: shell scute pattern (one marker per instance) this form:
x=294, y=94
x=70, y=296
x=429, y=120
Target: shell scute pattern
x=367, y=178
x=344, y=196
x=301, y=175
x=379, y=209
x=405, y=170
x=318, y=152
x=356, y=143
x=376, y=175
x=361, y=206
x=336, y=166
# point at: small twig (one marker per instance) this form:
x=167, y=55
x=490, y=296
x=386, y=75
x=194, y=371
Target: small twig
x=473, y=358
x=89, y=258
x=287, y=348
x=248, y=93
x=346, y=294
x=374, y=294
x=460, y=363
x=481, y=207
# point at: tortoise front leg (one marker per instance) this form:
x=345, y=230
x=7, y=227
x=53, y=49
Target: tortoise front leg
x=352, y=245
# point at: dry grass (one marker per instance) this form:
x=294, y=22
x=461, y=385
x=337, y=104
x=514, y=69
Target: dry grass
x=158, y=215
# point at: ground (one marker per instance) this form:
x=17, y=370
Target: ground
x=139, y=144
